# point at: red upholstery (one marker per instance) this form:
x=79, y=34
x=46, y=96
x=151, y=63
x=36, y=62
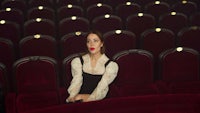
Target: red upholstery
x=43, y=45
x=39, y=12
x=139, y=23
x=18, y=4
x=194, y=19
x=73, y=43
x=39, y=26
x=98, y=10
x=186, y=8
x=116, y=41
x=7, y=57
x=125, y=10
x=73, y=24
x=179, y=103
x=87, y=3
x=174, y=22
x=3, y=81
x=156, y=9
x=189, y=37
x=135, y=76
x=68, y=11
x=180, y=70
x=107, y=23
x=10, y=30
x=36, y=3
x=36, y=84
x=60, y=3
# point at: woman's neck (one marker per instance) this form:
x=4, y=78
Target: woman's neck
x=95, y=56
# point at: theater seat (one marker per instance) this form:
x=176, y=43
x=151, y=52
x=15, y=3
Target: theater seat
x=36, y=84
x=135, y=76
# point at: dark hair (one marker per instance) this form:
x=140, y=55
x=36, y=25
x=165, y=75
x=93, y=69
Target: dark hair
x=99, y=34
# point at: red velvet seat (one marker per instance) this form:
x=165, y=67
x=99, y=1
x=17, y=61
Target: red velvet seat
x=157, y=8
x=36, y=3
x=69, y=11
x=174, y=21
x=7, y=57
x=98, y=9
x=18, y=4
x=156, y=41
x=61, y=3
x=180, y=70
x=39, y=26
x=73, y=24
x=107, y=23
x=87, y=3
x=41, y=12
x=126, y=9
x=11, y=31
x=36, y=84
x=3, y=82
x=72, y=43
x=135, y=76
x=140, y=22
x=38, y=45
x=118, y=40
x=185, y=7
x=189, y=37
x=194, y=19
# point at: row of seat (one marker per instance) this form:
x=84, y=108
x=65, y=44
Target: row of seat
x=37, y=85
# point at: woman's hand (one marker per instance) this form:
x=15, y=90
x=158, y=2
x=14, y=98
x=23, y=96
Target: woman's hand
x=82, y=97
x=70, y=99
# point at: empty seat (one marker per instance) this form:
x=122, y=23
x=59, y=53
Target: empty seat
x=126, y=9
x=69, y=11
x=38, y=45
x=60, y=3
x=41, y=12
x=118, y=40
x=10, y=30
x=73, y=24
x=157, y=8
x=135, y=76
x=174, y=21
x=14, y=15
x=107, y=23
x=39, y=26
x=18, y=4
x=157, y=40
x=194, y=19
x=98, y=9
x=87, y=3
x=73, y=43
x=185, y=7
x=189, y=37
x=140, y=22
x=7, y=57
x=36, y=84
x=180, y=70
x=36, y=3
x=3, y=82
x=115, y=3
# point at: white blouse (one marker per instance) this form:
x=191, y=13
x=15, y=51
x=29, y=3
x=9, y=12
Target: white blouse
x=109, y=74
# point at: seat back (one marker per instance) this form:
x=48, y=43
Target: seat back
x=73, y=24
x=3, y=81
x=189, y=37
x=35, y=74
x=135, y=67
x=118, y=40
x=38, y=45
x=39, y=26
x=107, y=23
x=179, y=65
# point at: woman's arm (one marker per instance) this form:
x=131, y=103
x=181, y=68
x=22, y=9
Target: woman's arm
x=76, y=69
x=103, y=86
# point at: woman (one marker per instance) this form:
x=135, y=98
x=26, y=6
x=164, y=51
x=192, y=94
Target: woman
x=92, y=72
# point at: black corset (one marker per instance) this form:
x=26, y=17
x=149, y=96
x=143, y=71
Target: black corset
x=90, y=82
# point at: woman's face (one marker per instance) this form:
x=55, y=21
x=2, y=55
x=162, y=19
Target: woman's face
x=94, y=44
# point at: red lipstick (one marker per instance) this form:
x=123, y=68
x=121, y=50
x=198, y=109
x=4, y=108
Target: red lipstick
x=92, y=49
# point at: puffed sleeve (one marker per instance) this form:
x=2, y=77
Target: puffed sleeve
x=76, y=70
x=103, y=86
